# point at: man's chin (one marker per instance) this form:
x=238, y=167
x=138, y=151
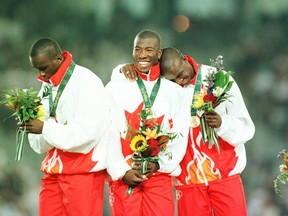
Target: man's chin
x=142, y=70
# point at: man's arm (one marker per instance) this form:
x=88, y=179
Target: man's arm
x=236, y=126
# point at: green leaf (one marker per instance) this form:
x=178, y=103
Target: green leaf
x=229, y=86
x=220, y=79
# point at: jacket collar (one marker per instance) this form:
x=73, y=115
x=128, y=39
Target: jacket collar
x=154, y=73
x=195, y=67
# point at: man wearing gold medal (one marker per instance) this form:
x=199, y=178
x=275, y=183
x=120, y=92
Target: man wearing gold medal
x=210, y=180
x=73, y=169
x=153, y=191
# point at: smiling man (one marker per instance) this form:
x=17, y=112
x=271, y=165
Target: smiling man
x=209, y=181
x=146, y=51
x=152, y=194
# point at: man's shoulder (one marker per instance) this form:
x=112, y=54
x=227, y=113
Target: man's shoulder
x=80, y=68
x=116, y=75
x=170, y=84
x=84, y=74
x=207, y=68
x=83, y=71
x=120, y=84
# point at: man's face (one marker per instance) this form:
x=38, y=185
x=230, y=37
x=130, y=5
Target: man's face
x=46, y=66
x=180, y=72
x=146, y=53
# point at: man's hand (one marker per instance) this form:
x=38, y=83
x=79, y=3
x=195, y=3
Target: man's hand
x=151, y=167
x=136, y=165
x=133, y=178
x=129, y=72
x=213, y=119
x=32, y=126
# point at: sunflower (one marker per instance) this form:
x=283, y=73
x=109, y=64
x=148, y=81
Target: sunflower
x=138, y=143
x=40, y=113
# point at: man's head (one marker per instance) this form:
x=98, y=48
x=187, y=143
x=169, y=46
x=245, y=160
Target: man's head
x=146, y=50
x=46, y=56
x=175, y=67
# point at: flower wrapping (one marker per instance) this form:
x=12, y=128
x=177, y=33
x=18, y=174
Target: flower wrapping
x=217, y=85
x=25, y=105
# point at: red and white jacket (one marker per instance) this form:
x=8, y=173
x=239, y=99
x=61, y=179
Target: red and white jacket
x=71, y=139
x=202, y=164
x=125, y=104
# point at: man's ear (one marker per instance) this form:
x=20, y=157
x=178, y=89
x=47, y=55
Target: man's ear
x=160, y=54
x=184, y=58
x=59, y=58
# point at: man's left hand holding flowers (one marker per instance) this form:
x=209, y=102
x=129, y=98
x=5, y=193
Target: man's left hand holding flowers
x=213, y=119
x=32, y=126
x=152, y=167
x=27, y=107
x=217, y=86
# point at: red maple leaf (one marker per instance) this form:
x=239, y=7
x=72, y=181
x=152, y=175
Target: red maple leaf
x=133, y=122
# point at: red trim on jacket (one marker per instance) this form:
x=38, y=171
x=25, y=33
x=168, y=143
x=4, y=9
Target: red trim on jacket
x=153, y=74
x=195, y=67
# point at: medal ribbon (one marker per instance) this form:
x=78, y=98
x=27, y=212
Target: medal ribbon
x=148, y=101
x=197, y=89
x=53, y=104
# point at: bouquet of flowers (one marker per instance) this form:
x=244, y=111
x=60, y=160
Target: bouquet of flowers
x=283, y=176
x=25, y=105
x=149, y=140
x=215, y=92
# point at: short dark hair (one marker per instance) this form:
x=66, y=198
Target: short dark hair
x=169, y=56
x=45, y=45
x=147, y=33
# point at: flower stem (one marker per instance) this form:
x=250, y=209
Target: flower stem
x=20, y=141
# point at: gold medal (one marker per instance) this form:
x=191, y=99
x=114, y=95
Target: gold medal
x=195, y=121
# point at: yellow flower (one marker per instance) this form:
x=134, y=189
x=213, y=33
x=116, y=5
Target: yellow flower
x=12, y=102
x=138, y=143
x=150, y=134
x=286, y=155
x=198, y=104
x=40, y=113
x=198, y=100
